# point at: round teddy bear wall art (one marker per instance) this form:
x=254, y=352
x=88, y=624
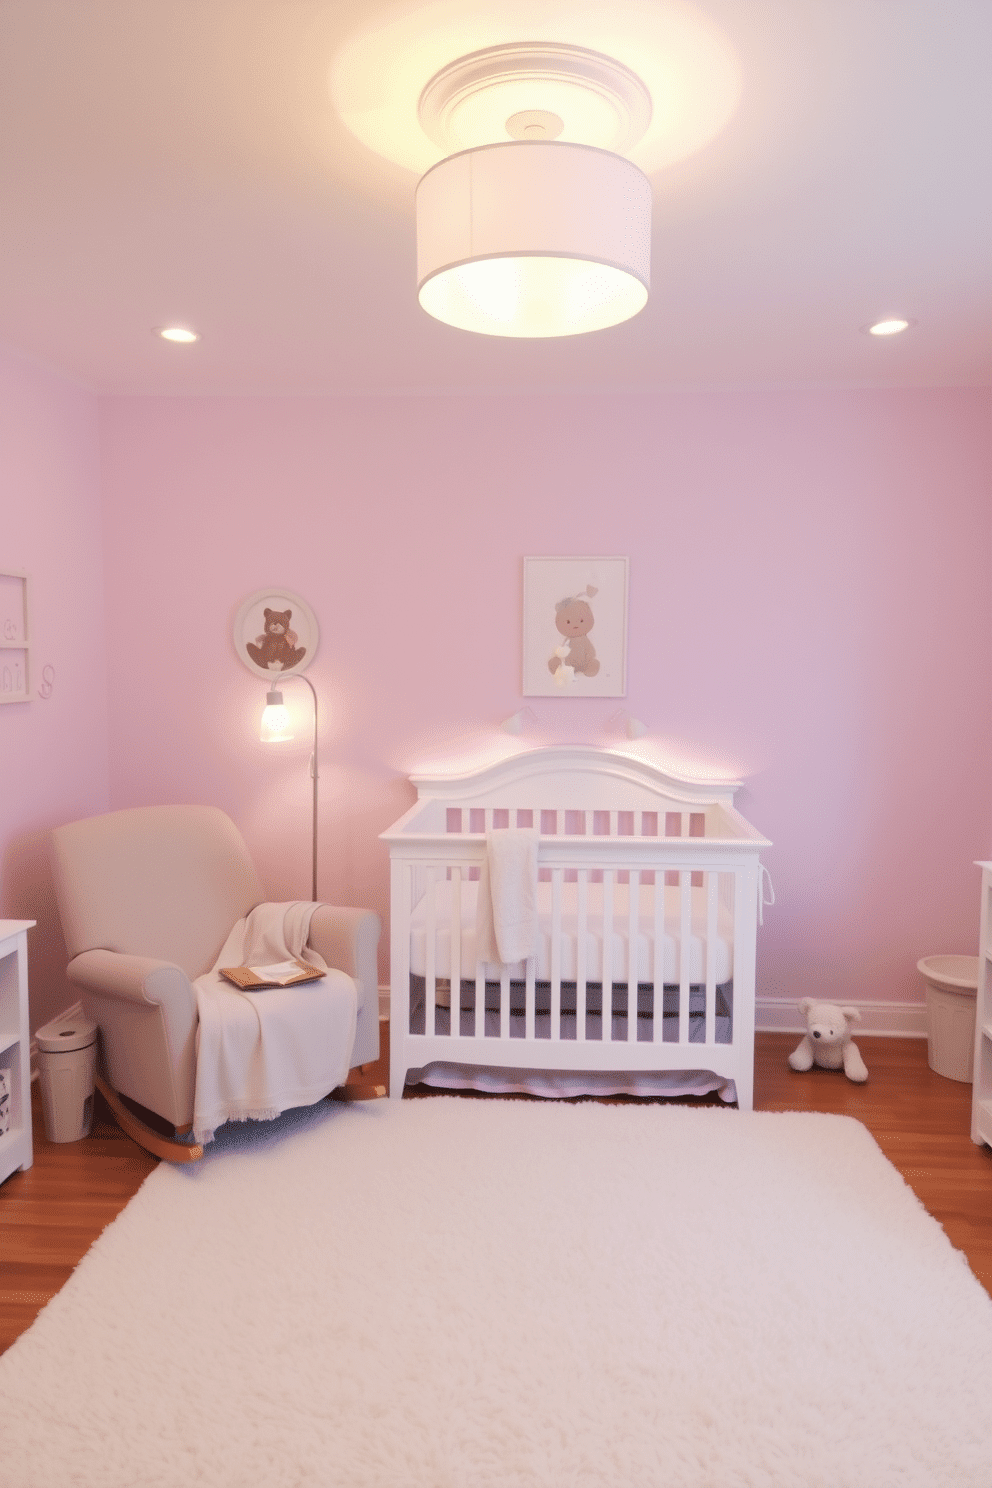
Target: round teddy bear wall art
x=275, y=633
x=575, y=627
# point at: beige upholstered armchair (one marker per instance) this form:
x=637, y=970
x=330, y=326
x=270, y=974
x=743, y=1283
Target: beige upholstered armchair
x=147, y=898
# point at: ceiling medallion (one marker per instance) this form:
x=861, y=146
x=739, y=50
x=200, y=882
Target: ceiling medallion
x=583, y=96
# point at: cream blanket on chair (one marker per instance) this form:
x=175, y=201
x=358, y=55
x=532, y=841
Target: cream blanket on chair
x=261, y=1053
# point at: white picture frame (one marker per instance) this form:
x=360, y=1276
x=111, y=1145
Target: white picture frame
x=271, y=652
x=560, y=596
x=15, y=653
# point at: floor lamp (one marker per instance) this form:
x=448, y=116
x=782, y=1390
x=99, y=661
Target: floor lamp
x=275, y=728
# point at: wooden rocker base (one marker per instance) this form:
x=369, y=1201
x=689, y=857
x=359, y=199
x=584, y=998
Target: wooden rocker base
x=358, y=1092
x=158, y=1146
x=185, y=1152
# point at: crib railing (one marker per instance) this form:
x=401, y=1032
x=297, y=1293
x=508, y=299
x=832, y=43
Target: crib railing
x=569, y=822
x=599, y=974
x=612, y=1006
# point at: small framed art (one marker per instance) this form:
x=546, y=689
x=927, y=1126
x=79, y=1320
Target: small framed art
x=575, y=627
x=15, y=682
x=275, y=632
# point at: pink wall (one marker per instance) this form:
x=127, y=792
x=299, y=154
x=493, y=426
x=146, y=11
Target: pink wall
x=810, y=608
x=53, y=750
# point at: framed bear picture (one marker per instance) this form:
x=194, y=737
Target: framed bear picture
x=275, y=633
x=575, y=627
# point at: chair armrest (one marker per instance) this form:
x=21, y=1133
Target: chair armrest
x=147, y=1014
x=347, y=939
x=132, y=979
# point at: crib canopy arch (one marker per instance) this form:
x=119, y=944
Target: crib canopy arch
x=574, y=767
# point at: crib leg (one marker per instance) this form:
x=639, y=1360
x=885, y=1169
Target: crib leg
x=745, y=1089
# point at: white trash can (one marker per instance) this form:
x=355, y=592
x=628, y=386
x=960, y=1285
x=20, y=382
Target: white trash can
x=67, y=1070
x=952, y=986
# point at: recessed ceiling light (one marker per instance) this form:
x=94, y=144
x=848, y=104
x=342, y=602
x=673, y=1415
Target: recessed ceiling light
x=888, y=327
x=177, y=333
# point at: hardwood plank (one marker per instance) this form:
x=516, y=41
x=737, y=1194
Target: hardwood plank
x=50, y=1215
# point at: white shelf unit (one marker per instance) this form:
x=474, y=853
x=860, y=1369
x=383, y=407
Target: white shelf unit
x=15, y=1143
x=981, y=1090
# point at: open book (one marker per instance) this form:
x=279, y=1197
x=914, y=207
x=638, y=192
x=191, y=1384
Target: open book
x=282, y=974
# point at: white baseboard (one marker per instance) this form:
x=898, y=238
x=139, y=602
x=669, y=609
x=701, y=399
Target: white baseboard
x=886, y=1019
x=772, y=1015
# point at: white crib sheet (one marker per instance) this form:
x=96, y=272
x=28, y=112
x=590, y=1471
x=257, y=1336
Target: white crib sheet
x=617, y=964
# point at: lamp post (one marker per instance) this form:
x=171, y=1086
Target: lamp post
x=275, y=728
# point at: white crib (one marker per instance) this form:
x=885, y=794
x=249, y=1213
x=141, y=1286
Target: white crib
x=649, y=894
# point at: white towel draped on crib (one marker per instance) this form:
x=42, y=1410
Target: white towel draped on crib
x=506, y=913
x=262, y=1053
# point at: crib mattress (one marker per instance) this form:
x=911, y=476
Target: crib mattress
x=617, y=965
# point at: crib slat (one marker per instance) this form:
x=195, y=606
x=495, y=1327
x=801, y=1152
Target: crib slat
x=480, y=999
x=633, y=926
x=455, y=958
x=430, y=967
x=607, y=954
x=556, y=882
x=685, y=931
x=658, y=970
x=530, y=998
x=712, y=893
x=581, y=951
x=504, y=1003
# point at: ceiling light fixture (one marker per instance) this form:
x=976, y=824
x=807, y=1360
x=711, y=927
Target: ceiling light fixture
x=542, y=229
x=180, y=334
x=888, y=327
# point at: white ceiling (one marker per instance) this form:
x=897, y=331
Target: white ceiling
x=169, y=161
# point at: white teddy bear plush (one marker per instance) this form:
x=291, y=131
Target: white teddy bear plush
x=827, y=1041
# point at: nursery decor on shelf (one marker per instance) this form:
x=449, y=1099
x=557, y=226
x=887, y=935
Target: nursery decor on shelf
x=440, y=1293
x=827, y=1040
x=275, y=635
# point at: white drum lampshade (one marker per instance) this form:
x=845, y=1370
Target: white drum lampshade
x=533, y=238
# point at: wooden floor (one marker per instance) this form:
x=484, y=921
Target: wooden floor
x=50, y=1215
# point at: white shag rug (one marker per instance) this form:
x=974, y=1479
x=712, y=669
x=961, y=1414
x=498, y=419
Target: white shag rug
x=451, y=1293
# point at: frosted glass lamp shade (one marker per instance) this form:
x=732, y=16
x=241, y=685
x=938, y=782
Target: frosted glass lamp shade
x=275, y=726
x=534, y=238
